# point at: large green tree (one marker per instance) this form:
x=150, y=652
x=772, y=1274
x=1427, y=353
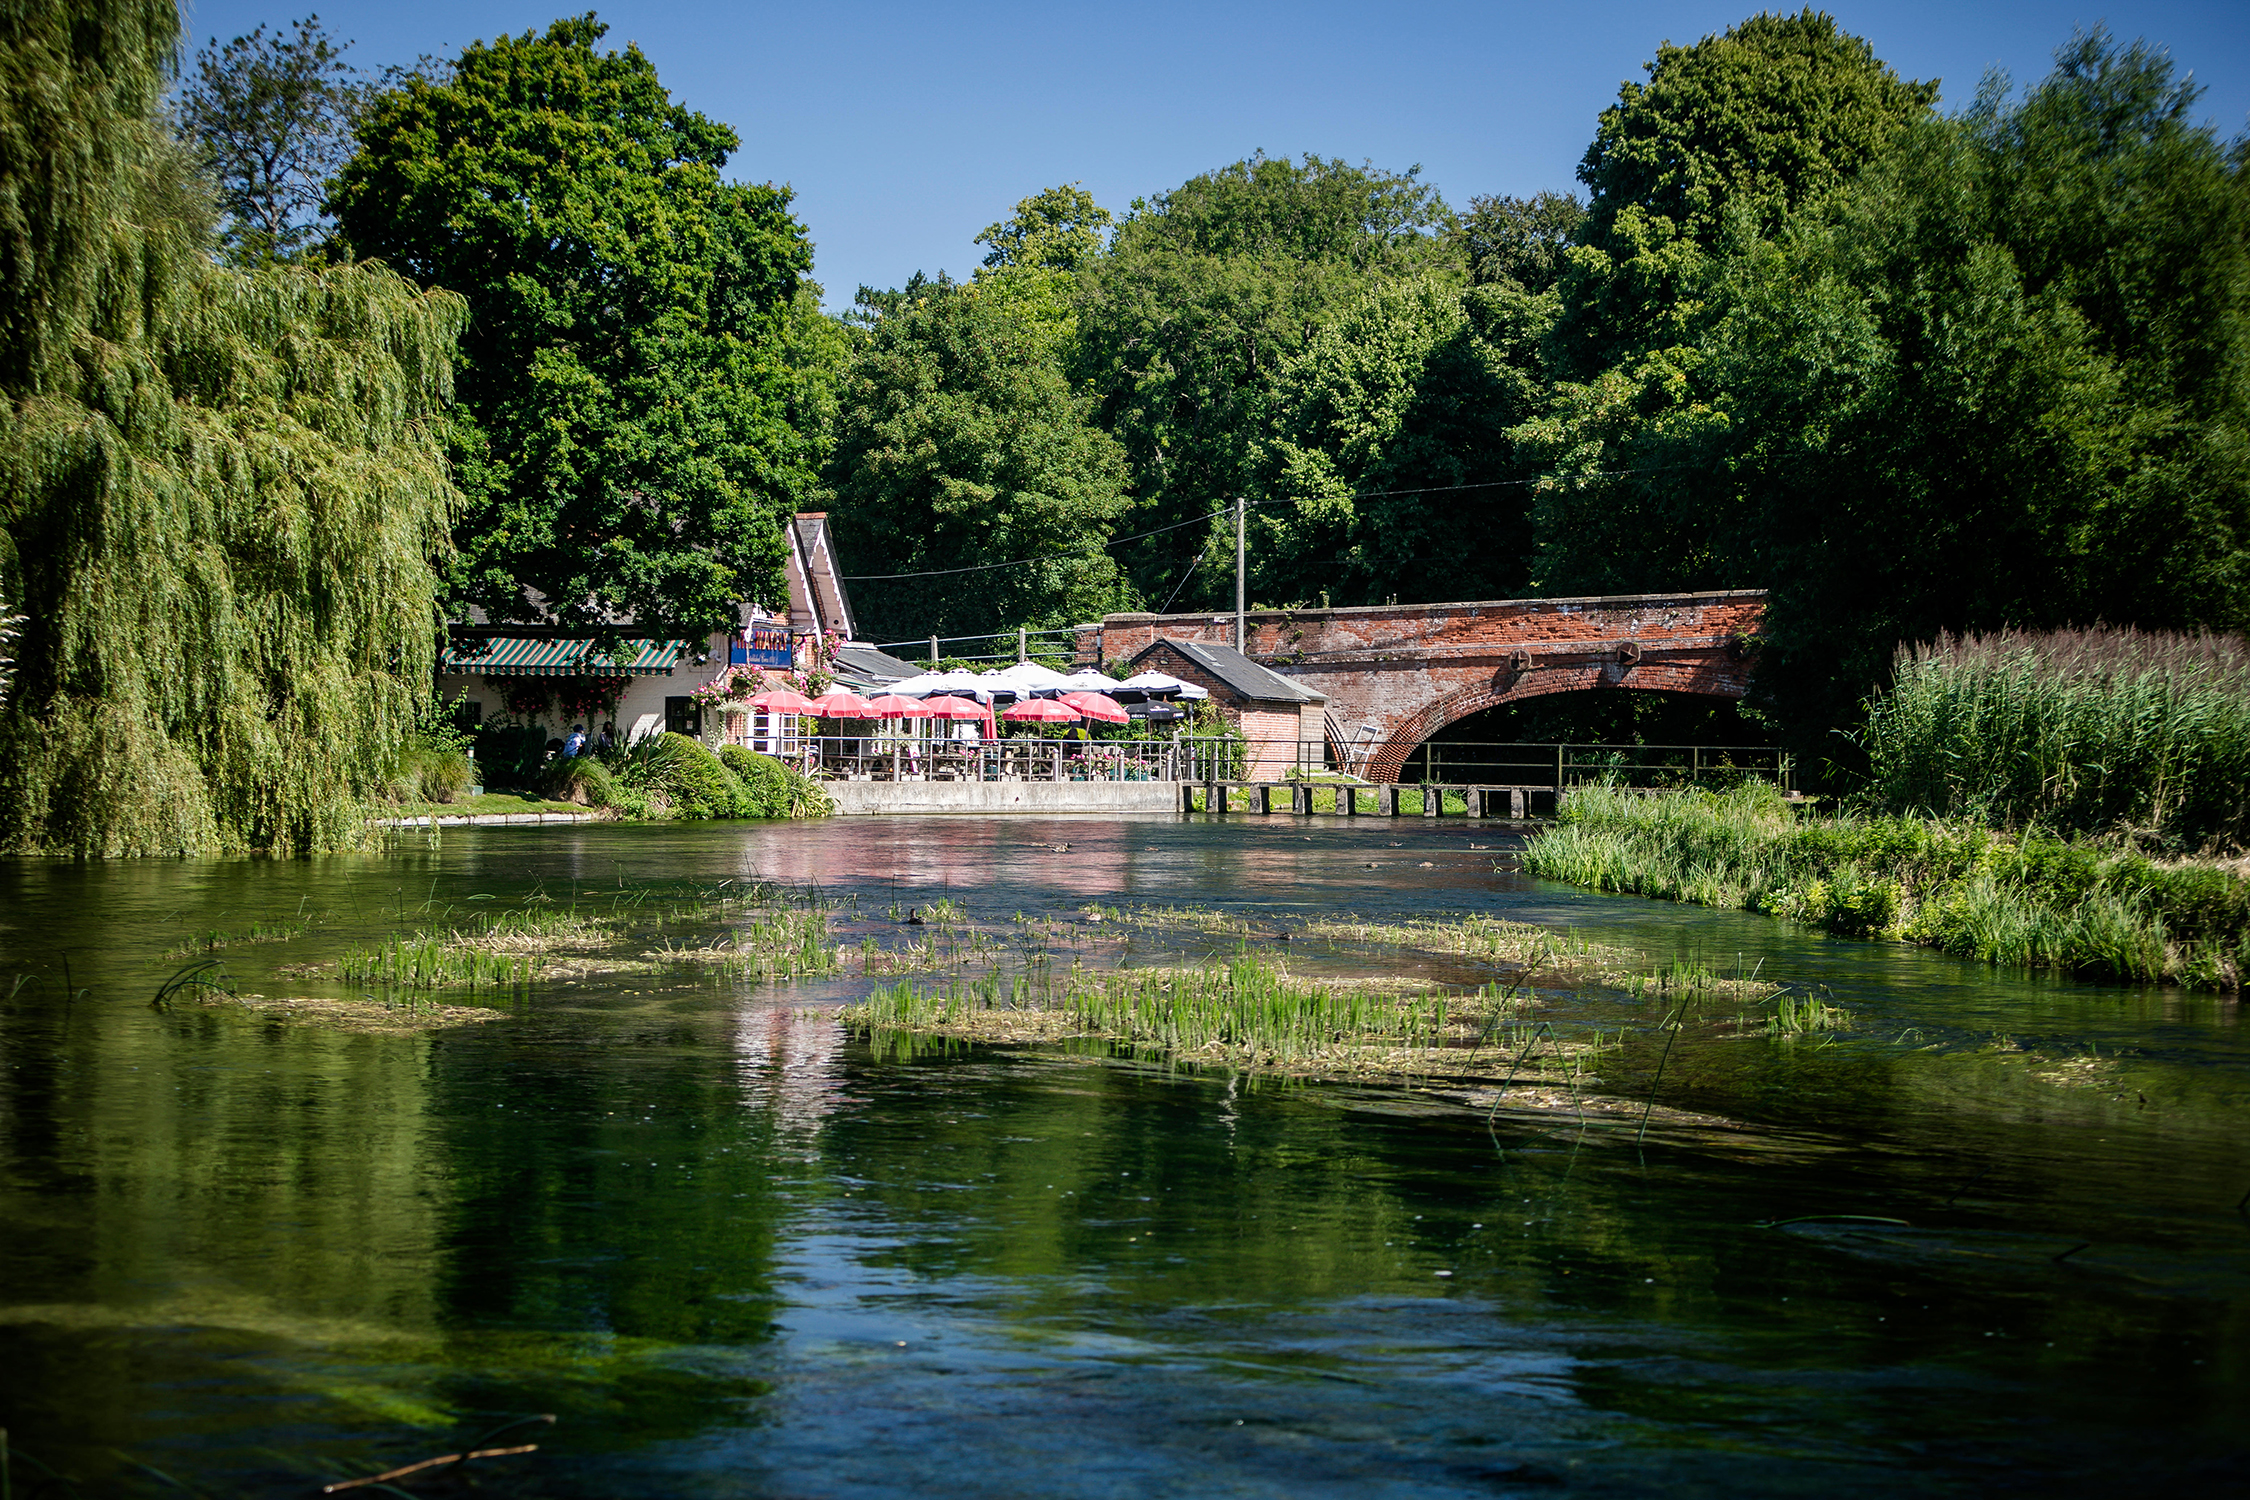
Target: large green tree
x=1206, y=293
x=961, y=444
x=269, y=118
x=220, y=500
x=645, y=380
x=1729, y=137
x=2003, y=379
x=1390, y=472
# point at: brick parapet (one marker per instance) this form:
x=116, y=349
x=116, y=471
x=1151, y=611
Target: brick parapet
x=1407, y=671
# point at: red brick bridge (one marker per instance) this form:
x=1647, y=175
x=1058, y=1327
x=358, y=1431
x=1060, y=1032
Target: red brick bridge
x=1396, y=674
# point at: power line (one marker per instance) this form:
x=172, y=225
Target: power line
x=1022, y=562
x=1026, y=561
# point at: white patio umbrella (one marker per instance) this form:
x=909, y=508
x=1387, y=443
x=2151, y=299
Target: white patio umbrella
x=1089, y=681
x=1030, y=677
x=954, y=684
x=1159, y=685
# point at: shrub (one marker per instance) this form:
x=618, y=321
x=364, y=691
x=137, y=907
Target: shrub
x=429, y=773
x=772, y=789
x=682, y=775
x=581, y=779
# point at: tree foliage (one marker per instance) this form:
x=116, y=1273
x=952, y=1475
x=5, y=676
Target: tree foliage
x=960, y=444
x=1390, y=472
x=219, y=493
x=646, y=378
x=1205, y=294
x=270, y=119
x=1999, y=380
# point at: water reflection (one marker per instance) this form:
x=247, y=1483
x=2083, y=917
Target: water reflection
x=738, y=1254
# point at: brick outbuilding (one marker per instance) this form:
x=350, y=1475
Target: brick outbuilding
x=1275, y=714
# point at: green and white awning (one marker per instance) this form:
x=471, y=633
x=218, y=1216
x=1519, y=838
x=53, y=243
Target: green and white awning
x=523, y=656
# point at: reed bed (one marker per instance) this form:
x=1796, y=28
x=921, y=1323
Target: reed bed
x=423, y=962
x=776, y=945
x=1560, y=954
x=1248, y=1011
x=2019, y=899
x=2078, y=731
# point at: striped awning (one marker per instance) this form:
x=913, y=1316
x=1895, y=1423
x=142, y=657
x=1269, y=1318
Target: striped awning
x=522, y=656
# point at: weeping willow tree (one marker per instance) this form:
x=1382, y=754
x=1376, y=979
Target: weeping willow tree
x=222, y=494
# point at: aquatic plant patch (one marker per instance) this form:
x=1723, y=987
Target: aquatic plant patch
x=2028, y=899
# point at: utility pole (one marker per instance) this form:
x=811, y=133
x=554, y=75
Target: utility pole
x=1241, y=635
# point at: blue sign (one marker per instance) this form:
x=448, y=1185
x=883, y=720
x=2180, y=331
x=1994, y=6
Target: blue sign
x=768, y=646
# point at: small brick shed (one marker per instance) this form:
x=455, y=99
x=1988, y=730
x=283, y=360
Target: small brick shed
x=1274, y=713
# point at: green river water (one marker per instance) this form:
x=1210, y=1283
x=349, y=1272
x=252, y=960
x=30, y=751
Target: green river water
x=735, y=1252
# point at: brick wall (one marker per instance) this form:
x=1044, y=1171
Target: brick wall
x=1410, y=670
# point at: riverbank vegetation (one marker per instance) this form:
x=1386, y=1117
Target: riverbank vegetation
x=2025, y=898
x=2082, y=732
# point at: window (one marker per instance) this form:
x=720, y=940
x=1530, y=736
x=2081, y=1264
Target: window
x=681, y=716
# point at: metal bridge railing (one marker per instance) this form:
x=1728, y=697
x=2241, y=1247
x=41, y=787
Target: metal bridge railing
x=940, y=752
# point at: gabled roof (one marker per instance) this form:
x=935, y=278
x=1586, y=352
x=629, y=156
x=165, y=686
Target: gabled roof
x=816, y=588
x=1239, y=672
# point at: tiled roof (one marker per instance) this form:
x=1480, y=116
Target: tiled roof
x=1239, y=672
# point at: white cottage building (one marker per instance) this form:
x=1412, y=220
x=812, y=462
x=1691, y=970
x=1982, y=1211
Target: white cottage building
x=552, y=677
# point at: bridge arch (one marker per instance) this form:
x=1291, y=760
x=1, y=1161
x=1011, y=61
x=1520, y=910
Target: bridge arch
x=1391, y=754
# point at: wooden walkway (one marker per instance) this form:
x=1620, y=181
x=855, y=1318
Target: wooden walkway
x=1360, y=800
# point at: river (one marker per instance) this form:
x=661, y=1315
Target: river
x=735, y=1252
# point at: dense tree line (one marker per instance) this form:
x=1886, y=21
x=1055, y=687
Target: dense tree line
x=1912, y=372
x=301, y=361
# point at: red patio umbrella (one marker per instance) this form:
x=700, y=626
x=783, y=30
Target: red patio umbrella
x=1042, y=711
x=785, y=701
x=892, y=706
x=839, y=704
x=1098, y=706
x=961, y=708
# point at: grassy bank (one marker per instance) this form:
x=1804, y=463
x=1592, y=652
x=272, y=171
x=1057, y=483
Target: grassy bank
x=2027, y=899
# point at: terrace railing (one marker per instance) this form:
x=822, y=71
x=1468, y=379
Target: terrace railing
x=941, y=756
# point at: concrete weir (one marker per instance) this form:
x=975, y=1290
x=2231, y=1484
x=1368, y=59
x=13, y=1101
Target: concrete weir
x=984, y=798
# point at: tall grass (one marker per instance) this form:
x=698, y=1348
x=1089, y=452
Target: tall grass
x=2079, y=731
x=2028, y=899
x=1244, y=1007
x=427, y=963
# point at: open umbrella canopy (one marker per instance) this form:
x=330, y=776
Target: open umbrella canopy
x=1162, y=685
x=952, y=684
x=1042, y=711
x=1089, y=681
x=839, y=704
x=1027, y=675
x=785, y=701
x=1097, y=706
x=892, y=706
x=949, y=708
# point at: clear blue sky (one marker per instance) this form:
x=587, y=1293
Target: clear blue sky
x=906, y=129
